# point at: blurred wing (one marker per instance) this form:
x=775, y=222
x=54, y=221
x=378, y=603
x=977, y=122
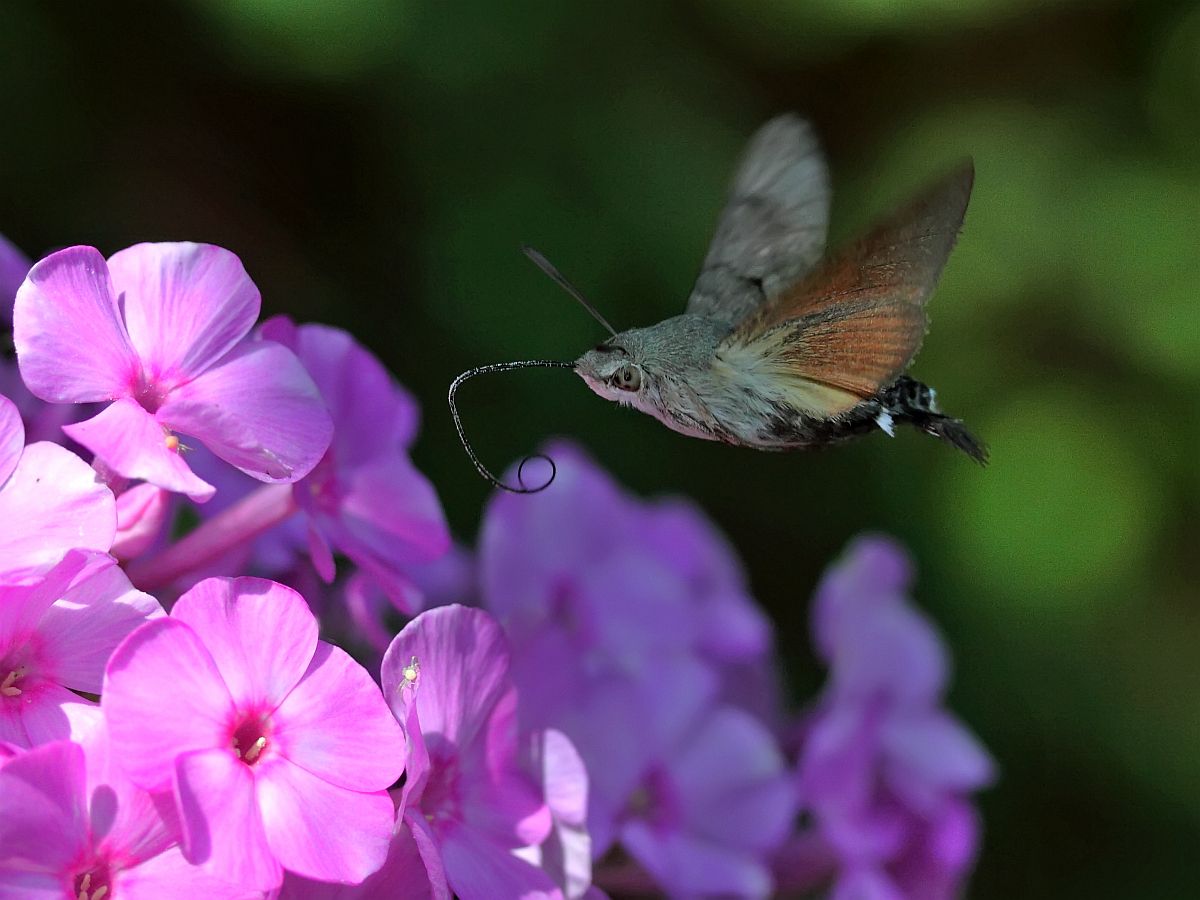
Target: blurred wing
x=854, y=325
x=772, y=230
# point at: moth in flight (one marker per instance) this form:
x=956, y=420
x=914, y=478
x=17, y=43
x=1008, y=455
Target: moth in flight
x=781, y=346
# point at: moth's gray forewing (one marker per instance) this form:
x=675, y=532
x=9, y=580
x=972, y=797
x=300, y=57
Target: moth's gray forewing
x=772, y=229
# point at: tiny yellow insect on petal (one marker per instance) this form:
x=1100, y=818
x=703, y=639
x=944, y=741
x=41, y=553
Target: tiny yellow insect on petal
x=172, y=442
x=411, y=672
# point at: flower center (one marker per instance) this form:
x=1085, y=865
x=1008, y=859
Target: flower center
x=94, y=884
x=251, y=739
x=440, y=800
x=322, y=484
x=656, y=801
x=149, y=394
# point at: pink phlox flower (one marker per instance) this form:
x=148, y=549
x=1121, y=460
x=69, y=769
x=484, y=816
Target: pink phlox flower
x=72, y=825
x=43, y=421
x=160, y=331
x=365, y=499
x=446, y=677
x=53, y=495
x=707, y=817
x=56, y=635
x=885, y=772
x=278, y=747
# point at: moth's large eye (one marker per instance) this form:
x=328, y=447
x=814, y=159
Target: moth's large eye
x=627, y=378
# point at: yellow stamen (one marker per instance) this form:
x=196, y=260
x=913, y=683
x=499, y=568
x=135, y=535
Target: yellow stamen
x=255, y=749
x=100, y=892
x=172, y=442
x=8, y=686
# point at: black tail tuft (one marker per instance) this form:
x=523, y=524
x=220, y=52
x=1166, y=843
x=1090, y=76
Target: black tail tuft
x=911, y=401
x=955, y=433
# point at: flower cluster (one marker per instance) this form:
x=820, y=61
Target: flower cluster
x=241, y=655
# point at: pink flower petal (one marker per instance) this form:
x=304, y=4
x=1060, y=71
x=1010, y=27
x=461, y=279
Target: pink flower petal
x=413, y=871
x=71, y=343
x=391, y=514
x=149, y=726
x=186, y=305
x=61, y=506
x=83, y=627
x=258, y=410
x=12, y=437
x=132, y=443
x=930, y=754
x=260, y=634
x=43, y=820
x=693, y=867
x=321, y=831
x=463, y=658
x=168, y=876
x=51, y=713
x=141, y=513
x=222, y=828
x=335, y=725
x=733, y=784
x=320, y=554
x=477, y=869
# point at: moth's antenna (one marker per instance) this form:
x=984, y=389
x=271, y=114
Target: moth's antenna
x=548, y=267
x=462, y=436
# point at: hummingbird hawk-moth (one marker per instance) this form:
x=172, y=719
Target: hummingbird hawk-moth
x=781, y=347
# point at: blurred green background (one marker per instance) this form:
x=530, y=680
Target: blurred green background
x=376, y=166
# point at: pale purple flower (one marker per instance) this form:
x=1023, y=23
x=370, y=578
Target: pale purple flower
x=53, y=495
x=885, y=772
x=278, y=746
x=446, y=677
x=56, y=634
x=707, y=818
x=365, y=499
x=160, y=331
x=624, y=615
x=72, y=825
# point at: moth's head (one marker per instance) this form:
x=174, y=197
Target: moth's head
x=616, y=371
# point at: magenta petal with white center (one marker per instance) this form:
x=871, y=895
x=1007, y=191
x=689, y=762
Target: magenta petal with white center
x=478, y=869
x=321, y=831
x=84, y=626
x=133, y=443
x=71, y=343
x=12, y=437
x=222, y=828
x=60, y=505
x=335, y=725
x=186, y=305
x=258, y=410
x=261, y=635
x=149, y=726
x=463, y=657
